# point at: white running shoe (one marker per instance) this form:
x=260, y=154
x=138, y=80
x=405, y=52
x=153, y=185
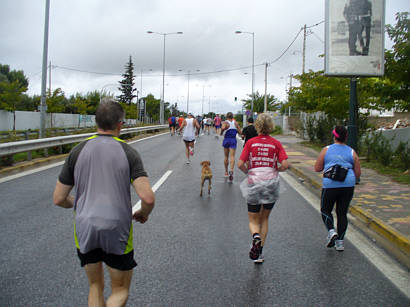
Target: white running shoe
x=331, y=238
x=188, y=162
x=260, y=259
x=339, y=245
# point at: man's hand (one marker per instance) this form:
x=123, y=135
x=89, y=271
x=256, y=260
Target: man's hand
x=140, y=217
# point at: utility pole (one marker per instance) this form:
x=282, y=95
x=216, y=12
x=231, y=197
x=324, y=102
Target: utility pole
x=49, y=79
x=304, y=49
x=290, y=88
x=44, y=72
x=187, y=97
x=265, y=105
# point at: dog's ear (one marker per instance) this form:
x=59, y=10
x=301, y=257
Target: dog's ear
x=202, y=163
x=209, y=163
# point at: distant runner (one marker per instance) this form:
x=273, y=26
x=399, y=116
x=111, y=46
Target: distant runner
x=217, y=123
x=172, y=123
x=190, y=124
x=229, y=143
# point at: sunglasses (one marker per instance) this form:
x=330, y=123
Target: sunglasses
x=121, y=121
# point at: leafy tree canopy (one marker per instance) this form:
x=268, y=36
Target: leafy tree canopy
x=273, y=103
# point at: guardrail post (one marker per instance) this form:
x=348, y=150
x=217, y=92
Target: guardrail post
x=29, y=155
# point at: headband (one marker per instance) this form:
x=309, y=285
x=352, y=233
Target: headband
x=335, y=133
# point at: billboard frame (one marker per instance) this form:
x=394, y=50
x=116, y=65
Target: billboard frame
x=354, y=61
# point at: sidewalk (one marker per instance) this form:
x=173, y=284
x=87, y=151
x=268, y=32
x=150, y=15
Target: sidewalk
x=380, y=207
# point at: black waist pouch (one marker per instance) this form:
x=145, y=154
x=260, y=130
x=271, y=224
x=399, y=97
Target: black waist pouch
x=336, y=172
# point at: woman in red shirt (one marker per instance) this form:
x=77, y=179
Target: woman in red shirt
x=259, y=160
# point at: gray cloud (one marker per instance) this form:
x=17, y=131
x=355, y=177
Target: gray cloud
x=99, y=36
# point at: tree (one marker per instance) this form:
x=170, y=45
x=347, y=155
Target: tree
x=55, y=103
x=152, y=106
x=10, y=96
x=12, y=86
x=127, y=84
x=259, y=102
x=396, y=84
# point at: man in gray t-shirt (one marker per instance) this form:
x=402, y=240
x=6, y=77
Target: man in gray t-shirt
x=101, y=170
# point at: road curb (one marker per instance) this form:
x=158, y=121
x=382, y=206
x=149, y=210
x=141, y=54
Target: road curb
x=391, y=240
x=31, y=164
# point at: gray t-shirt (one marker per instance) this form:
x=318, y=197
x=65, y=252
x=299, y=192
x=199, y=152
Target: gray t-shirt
x=101, y=170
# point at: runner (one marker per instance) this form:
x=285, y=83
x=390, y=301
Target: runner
x=259, y=160
x=249, y=131
x=200, y=122
x=180, y=121
x=189, y=135
x=208, y=123
x=229, y=143
x=341, y=167
x=172, y=123
x=217, y=123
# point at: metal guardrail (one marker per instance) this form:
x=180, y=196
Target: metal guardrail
x=11, y=148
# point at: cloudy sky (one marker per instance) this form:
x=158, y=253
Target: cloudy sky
x=90, y=42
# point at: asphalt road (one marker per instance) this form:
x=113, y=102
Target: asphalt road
x=193, y=251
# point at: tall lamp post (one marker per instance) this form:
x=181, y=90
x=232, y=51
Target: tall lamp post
x=253, y=63
x=187, y=97
x=161, y=107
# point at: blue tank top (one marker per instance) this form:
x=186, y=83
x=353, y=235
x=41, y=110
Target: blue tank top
x=342, y=155
x=231, y=132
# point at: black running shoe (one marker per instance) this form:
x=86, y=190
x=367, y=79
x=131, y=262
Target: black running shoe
x=230, y=176
x=255, y=248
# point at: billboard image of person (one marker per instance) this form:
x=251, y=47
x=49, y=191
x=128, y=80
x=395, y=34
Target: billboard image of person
x=354, y=37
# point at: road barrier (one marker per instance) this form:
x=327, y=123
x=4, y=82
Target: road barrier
x=11, y=148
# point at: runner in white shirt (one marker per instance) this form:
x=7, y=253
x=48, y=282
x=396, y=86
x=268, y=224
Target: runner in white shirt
x=189, y=124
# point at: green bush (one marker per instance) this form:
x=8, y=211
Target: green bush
x=402, y=155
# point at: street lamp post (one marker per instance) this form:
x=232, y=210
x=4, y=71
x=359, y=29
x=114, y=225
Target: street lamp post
x=203, y=96
x=161, y=107
x=253, y=63
x=187, y=97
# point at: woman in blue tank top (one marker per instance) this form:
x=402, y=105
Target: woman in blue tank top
x=341, y=167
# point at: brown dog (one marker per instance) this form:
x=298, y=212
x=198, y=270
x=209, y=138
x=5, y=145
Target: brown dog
x=206, y=174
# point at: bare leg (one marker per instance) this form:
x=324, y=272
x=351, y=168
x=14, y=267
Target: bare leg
x=95, y=274
x=254, y=222
x=259, y=223
x=187, y=149
x=120, y=285
x=232, y=158
x=226, y=160
x=264, y=224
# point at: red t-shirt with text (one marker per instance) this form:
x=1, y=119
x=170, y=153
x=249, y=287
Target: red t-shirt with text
x=263, y=151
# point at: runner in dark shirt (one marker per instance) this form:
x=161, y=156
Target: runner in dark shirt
x=249, y=131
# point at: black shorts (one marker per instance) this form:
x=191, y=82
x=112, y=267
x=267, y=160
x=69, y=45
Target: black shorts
x=172, y=125
x=256, y=208
x=124, y=262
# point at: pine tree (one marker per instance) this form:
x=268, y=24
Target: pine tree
x=127, y=84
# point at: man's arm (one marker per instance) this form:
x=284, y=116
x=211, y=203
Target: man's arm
x=144, y=191
x=61, y=195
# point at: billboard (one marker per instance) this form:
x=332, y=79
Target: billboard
x=354, y=38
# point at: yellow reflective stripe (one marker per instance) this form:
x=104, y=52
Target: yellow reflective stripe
x=92, y=137
x=129, y=247
x=118, y=139
x=75, y=235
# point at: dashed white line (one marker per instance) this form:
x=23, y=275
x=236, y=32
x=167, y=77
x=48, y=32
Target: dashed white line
x=154, y=188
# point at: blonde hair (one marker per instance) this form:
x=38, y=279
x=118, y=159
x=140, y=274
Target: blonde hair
x=264, y=124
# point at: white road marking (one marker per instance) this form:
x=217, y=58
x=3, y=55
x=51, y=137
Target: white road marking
x=29, y=172
x=43, y=168
x=387, y=265
x=147, y=138
x=156, y=186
